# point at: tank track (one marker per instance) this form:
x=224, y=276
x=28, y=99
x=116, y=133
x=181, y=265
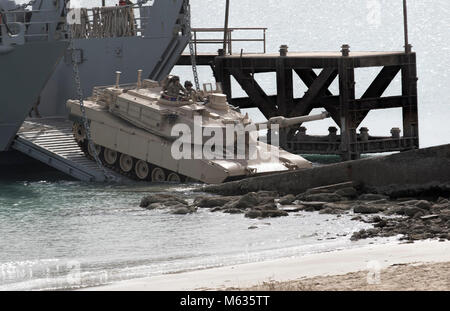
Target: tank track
x=84, y=146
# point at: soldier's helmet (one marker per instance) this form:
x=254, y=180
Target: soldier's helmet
x=188, y=84
x=175, y=78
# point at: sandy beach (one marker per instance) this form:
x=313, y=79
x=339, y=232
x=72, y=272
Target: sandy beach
x=394, y=266
x=398, y=277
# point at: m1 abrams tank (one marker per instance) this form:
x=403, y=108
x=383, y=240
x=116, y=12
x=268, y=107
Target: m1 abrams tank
x=135, y=129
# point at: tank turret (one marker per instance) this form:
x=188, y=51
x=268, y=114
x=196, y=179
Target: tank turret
x=165, y=132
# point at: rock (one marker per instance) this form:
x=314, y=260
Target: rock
x=274, y=213
x=367, y=209
x=266, y=207
x=287, y=200
x=435, y=229
x=358, y=235
x=300, y=197
x=338, y=206
x=295, y=209
x=418, y=215
x=182, y=211
x=357, y=218
x=154, y=206
x=330, y=211
x=396, y=210
x=411, y=211
x=372, y=197
x=409, y=203
x=253, y=214
x=210, y=202
x=265, y=194
x=348, y=192
x=247, y=201
x=439, y=207
x=425, y=205
x=381, y=224
x=313, y=206
x=160, y=198
x=266, y=200
x=174, y=203
x=233, y=211
x=429, y=217
x=405, y=199
x=252, y=227
x=374, y=220
x=442, y=200
x=265, y=213
x=372, y=232
x=217, y=209
x=323, y=197
x=379, y=202
x=445, y=216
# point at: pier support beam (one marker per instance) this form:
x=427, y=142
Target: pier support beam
x=409, y=89
x=347, y=111
x=347, y=95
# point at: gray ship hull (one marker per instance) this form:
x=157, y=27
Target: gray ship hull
x=99, y=61
x=24, y=72
x=155, y=50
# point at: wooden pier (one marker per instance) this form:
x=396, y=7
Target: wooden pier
x=347, y=111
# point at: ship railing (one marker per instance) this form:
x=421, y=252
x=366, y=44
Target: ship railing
x=215, y=36
x=14, y=18
x=114, y=21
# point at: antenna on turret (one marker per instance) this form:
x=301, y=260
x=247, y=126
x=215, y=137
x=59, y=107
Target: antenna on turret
x=225, y=30
x=405, y=24
x=139, y=81
x=117, y=79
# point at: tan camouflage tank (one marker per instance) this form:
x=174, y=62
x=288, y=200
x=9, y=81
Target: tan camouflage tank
x=136, y=131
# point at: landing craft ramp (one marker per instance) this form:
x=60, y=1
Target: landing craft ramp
x=50, y=140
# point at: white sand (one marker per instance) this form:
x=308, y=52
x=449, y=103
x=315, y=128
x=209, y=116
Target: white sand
x=332, y=263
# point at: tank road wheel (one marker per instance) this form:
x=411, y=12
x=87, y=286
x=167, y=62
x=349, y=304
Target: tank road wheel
x=142, y=170
x=98, y=150
x=78, y=133
x=110, y=156
x=126, y=163
x=174, y=178
x=158, y=175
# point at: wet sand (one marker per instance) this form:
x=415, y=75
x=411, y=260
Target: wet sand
x=319, y=270
x=398, y=277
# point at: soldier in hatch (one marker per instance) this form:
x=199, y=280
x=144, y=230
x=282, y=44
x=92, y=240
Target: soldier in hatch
x=174, y=88
x=191, y=93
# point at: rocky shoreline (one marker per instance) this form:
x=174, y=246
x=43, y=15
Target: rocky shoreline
x=392, y=213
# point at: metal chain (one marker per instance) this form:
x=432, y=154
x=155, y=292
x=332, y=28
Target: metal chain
x=187, y=10
x=76, y=75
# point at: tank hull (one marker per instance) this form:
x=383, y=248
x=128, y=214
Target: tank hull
x=114, y=133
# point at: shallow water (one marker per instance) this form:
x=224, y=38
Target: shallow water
x=67, y=234
x=48, y=230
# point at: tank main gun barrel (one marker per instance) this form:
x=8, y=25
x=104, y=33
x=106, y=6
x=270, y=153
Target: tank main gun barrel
x=283, y=122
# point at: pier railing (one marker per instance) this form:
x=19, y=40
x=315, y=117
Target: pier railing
x=214, y=36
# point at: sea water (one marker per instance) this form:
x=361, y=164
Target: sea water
x=66, y=234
